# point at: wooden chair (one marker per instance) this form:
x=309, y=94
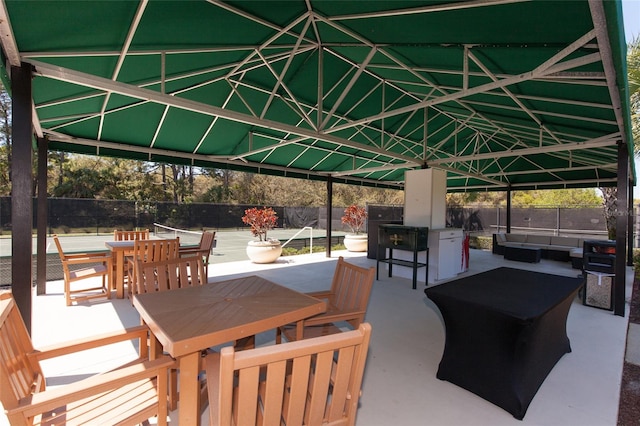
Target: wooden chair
x=96, y=265
x=312, y=382
x=131, y=235
x=170, y=274
x=119, y=235
x=203, y=249
x=347, y=301
x=149, y=251
x=128, y=395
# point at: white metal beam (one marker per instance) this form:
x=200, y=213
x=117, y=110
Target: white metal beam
x=552, y=65
x=426, y=9
x=608, y=140
x=76, y=77
x=7, y=37
x=602, y=35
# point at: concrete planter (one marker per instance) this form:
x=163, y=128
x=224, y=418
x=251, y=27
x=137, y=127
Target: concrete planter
x=264, y=251
x=357, y=243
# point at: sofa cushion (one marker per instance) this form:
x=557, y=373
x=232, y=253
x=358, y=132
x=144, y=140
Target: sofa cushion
x=561, y=248
x=516, y=238
x=576, y=252
x=539, y=239
x=565, y=241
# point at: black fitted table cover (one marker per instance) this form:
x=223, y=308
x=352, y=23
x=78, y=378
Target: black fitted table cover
x=505, y=330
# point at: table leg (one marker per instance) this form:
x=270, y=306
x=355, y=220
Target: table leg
x=120, y=274
x=415, y=268
x=426, y=269
x=189, y=394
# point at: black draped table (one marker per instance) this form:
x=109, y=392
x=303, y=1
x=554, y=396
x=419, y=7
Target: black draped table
x=505, y=330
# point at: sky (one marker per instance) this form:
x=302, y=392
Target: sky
x=631, y=15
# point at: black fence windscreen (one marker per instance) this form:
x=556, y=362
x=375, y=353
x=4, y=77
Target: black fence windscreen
x=102, y=216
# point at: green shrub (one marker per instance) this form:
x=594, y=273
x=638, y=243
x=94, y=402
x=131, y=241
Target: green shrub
x=481, y=242
x=636, y=260
x=290, y=251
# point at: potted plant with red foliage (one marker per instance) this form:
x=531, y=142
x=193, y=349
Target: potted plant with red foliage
x=355, y=218
x=261, y=220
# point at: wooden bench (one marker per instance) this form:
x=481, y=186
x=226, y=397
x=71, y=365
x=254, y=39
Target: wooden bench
x=128, y=395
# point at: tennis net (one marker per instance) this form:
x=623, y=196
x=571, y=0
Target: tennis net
x=186, y=236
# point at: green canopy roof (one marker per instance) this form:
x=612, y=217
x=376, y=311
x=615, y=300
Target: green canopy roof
x=500, y=93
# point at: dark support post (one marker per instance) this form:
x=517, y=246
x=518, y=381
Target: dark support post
x=509, y=210
x=21, y=196
x=329, y=213
x=630, y=238
x=621, y=230
x=41, y=242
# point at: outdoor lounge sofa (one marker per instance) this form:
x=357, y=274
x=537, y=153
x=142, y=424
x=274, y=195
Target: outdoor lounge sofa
x=552, y=247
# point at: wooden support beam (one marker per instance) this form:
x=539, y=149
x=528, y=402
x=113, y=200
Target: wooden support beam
x=21, y=192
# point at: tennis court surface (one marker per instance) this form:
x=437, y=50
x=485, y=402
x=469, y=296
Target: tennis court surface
x=230, y=243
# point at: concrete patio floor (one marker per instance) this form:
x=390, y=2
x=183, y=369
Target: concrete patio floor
x=400, y=387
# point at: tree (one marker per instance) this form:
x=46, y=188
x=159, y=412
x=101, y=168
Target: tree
x=557, y=197
x=5, y=141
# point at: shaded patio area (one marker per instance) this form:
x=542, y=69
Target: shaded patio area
x=400, y=384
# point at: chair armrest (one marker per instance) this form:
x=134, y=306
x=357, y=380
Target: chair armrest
x=87, y=255
x=193, y=249
x=324, y=294
x=65, y=348
x=82, y=260
x=195, y=252
x=50, y=399
x=332, y=317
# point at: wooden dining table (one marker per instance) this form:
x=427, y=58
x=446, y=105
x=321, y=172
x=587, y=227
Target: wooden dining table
x=189, y=320
x=119, y=249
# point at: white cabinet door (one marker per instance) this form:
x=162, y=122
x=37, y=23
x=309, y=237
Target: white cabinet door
x=450, y=257
x=445, y=253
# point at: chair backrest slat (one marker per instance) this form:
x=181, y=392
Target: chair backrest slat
x=59, y=247
x=351, y=288
x=149, y=251
x=130, y=235
x=170, y=274
x=206, y=240
x=156, y=250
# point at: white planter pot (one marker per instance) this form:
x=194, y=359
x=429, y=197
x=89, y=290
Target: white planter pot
x=356, y=242
x=264, y=251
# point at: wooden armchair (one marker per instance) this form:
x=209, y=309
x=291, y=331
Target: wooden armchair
x=95, y=265
x=203, y=249
x=312, y=382
x=347, y=301
x=149, y=251
x=128, y=395
x=131, y=235
x=169, y=274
